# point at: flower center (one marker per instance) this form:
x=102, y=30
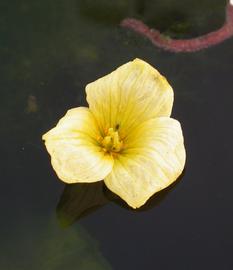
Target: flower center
x=112, y=142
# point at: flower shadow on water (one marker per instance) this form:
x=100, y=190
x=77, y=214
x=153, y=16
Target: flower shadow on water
x=79, y=200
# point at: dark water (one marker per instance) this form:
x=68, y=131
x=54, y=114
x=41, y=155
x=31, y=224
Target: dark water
x=49, y=51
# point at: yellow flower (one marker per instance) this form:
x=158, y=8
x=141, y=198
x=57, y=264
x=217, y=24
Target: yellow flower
x=125, y=137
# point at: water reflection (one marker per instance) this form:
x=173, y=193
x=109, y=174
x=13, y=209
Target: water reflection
x=79, y=200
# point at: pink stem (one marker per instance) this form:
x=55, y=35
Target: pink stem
x=184, y=45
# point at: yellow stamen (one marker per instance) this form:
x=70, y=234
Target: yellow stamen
x=112, y=142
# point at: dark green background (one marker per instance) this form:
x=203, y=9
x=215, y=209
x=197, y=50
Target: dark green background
x=49, y=51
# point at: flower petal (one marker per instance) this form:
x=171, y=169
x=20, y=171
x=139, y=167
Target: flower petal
x=153, y=159
x=133, y=93
x=75, y=153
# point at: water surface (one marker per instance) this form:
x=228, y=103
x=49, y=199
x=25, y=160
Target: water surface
x=49, y=51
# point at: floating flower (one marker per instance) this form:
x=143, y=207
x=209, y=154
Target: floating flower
x=125, y=137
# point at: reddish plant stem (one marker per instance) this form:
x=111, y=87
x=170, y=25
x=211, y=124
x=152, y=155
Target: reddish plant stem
x=184, y=45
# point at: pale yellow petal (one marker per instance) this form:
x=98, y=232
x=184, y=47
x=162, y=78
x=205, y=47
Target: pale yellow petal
x=133, y=93
x=75, y=153
x=153, y=159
